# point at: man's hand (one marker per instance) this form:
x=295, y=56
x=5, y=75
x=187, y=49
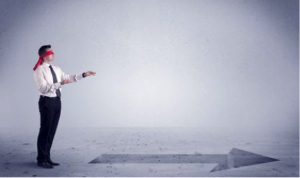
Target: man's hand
x=65, y=81
x=89, y=73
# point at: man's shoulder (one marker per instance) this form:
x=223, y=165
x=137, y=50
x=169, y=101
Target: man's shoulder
x=38, y=69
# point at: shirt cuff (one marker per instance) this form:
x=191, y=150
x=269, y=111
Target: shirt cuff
x=79, y=76
x=57, y=85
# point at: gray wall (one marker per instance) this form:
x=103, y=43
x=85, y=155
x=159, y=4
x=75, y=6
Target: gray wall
x=159, y=63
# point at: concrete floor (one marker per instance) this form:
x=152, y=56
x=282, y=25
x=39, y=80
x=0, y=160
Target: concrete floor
x=75, y=148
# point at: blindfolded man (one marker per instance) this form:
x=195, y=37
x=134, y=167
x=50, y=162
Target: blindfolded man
x=49, y=80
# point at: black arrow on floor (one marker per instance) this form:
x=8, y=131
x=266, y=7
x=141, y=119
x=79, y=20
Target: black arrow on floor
x=234, y=159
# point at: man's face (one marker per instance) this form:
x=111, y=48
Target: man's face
x=50, y=57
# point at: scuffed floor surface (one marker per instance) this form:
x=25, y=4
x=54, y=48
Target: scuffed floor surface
x=75, y=148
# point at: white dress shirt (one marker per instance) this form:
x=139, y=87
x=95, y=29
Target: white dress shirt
x=44, y=80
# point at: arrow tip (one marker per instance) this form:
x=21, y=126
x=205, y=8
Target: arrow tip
x=240, y=158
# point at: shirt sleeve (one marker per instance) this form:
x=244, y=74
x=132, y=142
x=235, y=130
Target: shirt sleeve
x=42, y=84
x=73, y=78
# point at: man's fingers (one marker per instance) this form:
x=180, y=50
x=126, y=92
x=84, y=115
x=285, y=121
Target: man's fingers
x=90, y=73
x=67, y=81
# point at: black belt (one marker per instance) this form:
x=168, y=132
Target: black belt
x=50, y=97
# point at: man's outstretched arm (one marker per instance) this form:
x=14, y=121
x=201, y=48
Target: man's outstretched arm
x=74, y=78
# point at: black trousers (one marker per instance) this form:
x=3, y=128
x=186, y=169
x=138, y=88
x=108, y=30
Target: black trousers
x=50, y=109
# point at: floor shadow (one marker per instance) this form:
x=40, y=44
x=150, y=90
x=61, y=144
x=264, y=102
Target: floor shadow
x=25, y=164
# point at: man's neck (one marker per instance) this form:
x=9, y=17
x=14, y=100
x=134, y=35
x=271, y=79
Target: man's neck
x=48, y=62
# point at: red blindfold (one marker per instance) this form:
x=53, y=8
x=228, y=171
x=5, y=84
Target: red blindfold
x=41, y=59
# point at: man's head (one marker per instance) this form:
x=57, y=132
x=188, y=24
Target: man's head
x=45, y=49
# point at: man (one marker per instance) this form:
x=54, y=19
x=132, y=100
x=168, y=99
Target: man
x=49, y=80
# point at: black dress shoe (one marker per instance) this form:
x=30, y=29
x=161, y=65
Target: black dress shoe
x=45, y=164
x=52, y=163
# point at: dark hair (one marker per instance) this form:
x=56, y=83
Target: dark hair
x=42, y=49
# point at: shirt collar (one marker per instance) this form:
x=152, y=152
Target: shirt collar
x=46, y=64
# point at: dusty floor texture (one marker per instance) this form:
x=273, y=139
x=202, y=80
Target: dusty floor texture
x=75, y=148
